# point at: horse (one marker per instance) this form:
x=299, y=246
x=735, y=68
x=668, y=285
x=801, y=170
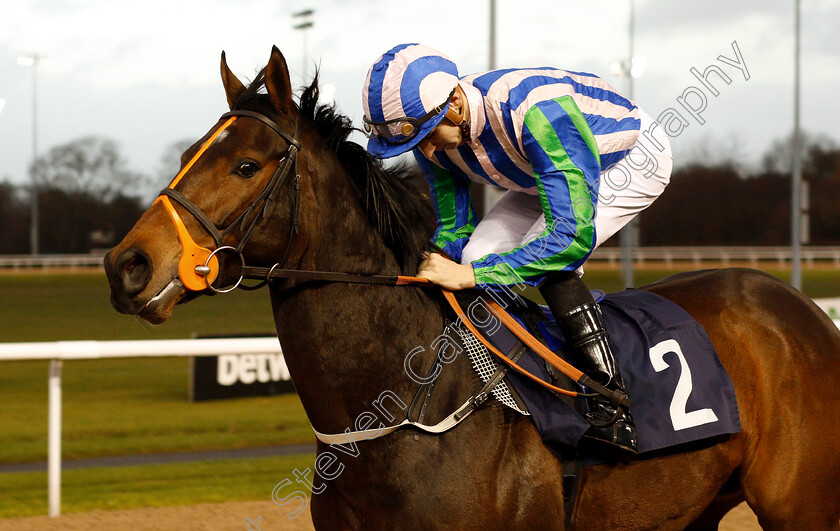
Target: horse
x=346, y=345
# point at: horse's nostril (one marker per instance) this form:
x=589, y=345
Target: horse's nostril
x=135, y=270
x=135, y=267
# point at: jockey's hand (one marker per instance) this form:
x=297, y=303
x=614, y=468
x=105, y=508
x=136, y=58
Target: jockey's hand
x=446, y=273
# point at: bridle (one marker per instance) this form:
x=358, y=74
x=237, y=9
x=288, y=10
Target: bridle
x=199, y=267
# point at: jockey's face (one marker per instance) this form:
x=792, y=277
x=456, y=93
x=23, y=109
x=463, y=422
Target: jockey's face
x=446, y=135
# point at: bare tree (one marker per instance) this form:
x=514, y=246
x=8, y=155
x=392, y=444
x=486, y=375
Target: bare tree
x=91, y=165
x=170, y=161
x=14, y=218
x=779, y=157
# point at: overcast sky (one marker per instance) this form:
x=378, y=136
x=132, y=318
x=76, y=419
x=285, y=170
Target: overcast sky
x=147, y=73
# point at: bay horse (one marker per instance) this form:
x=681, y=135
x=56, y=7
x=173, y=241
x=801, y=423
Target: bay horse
x=346, y=344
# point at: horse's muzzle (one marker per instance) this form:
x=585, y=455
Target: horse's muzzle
x=128, y=274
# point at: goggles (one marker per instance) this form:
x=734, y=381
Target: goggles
x=401, y=130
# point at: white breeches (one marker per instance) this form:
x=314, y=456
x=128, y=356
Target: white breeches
x=625, y=189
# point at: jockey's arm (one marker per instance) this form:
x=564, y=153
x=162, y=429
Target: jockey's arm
x=451, y=200
x=564, y=156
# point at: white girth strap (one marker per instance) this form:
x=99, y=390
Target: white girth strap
x=445, y=425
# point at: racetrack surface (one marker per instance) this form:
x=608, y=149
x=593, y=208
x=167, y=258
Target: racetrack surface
x=231, y=517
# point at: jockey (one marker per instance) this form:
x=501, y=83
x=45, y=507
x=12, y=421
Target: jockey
x=577, y=160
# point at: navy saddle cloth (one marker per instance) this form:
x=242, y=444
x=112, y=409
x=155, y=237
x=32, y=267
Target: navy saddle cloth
x=679, y=391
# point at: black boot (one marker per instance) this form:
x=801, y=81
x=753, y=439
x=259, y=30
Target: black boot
x=580, y=318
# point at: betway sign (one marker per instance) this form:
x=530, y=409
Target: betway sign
x=235, y=375
x=250, y=368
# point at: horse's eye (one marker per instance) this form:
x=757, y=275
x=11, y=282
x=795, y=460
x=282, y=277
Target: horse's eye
x=247, y=169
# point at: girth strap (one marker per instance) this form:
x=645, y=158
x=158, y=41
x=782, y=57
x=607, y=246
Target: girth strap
x=572, y=471
x=444, y=425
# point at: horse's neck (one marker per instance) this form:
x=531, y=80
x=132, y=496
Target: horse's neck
x=345, y=344
x=341, y=238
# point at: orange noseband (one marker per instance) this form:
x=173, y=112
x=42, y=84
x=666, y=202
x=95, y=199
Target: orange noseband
x=192, y=254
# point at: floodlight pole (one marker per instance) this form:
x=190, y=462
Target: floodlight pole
x=306, y=23
x=796, y=199
x=492, y=57
x=31, y=60
x=484, y=197
x=629, y=233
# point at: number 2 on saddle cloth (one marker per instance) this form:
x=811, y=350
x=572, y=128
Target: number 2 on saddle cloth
x=678, y=390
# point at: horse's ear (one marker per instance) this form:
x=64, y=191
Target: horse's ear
x=233, y=87
x=277, y=81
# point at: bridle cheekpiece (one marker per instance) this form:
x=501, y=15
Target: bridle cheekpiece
x=198, y=267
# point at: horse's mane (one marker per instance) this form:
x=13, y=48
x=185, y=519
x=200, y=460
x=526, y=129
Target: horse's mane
x=398, y=211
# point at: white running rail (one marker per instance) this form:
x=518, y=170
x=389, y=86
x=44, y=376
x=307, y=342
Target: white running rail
x=60, y=351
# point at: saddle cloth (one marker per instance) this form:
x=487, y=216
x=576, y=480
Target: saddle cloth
x=679, y=391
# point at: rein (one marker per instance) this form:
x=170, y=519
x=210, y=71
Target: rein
x=616, y=397
x=199, y=267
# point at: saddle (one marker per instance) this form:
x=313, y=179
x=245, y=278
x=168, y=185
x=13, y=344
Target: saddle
x=679, y=392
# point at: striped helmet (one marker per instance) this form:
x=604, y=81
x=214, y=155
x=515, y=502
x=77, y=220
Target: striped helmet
x=406, y=94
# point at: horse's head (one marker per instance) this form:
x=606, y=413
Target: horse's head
x=244, y=168
x=244, y=193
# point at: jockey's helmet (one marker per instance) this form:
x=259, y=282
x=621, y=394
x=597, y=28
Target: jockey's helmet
x=406, y=94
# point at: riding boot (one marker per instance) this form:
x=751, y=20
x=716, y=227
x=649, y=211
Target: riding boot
x=580, y=318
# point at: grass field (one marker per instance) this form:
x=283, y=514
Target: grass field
x=139, y=406
x=135, y=406
x=24, y=494
x=47, y=307
x=131, y=406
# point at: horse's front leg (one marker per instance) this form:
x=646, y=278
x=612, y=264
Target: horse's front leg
x=332, y=512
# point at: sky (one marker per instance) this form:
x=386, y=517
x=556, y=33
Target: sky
x=147, y=74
